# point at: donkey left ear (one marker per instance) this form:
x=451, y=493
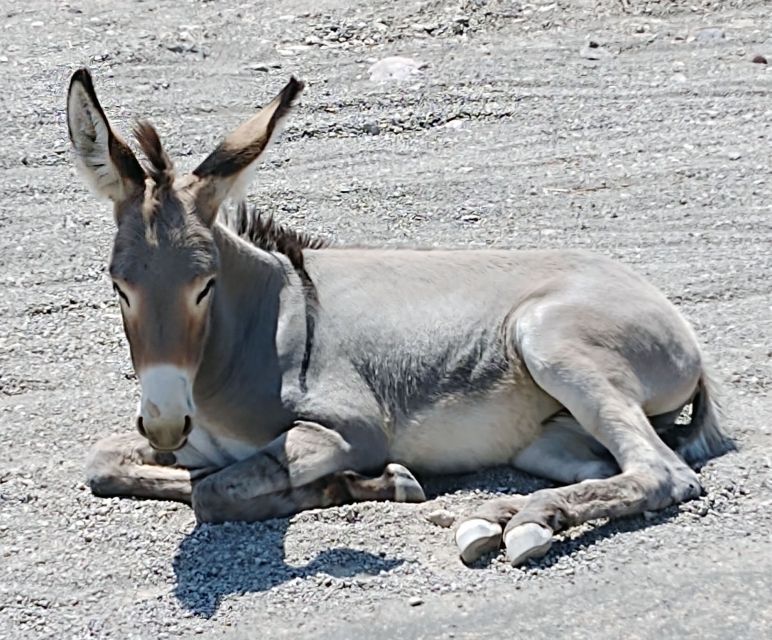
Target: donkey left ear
x=104, y=160
x=229, y=168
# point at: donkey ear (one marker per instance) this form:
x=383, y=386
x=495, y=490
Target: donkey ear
x=103, y=159
x=228, y=170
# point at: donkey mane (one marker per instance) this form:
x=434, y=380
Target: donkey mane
x=267, y=234
x=159, y=166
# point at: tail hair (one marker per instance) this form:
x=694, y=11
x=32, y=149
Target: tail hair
x=703, y=438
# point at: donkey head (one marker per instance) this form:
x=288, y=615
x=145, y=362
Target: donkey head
x=165, y=262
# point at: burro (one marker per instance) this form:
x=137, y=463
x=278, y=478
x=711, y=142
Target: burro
x=280, y=374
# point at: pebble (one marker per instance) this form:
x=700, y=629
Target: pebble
x=593, y=51
x=442, y=517
x=709, y=35
x=372, y=128
x=415, y=601
x=759, y=59
x=395, y=68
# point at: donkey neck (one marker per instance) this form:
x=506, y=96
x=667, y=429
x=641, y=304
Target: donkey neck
x=255, y=341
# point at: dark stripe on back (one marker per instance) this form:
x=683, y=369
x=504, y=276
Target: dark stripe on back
x=267, y=234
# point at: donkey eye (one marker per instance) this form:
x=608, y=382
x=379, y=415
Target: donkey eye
x=205, y=291
x=120, y=292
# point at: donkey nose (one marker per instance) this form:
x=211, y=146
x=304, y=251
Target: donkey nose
x=166, y=407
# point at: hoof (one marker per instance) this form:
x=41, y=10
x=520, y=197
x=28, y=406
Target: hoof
x=527, y=541
x=476, y=537
x=406, y=487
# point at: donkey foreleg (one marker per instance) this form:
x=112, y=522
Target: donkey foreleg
x=125, y=465
x=292, y=466
x=395, y=484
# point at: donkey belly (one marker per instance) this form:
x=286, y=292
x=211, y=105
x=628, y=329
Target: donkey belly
x=466, y=433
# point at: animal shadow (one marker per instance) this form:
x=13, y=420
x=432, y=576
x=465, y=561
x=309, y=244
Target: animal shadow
x=569, y=546
x=215, y=561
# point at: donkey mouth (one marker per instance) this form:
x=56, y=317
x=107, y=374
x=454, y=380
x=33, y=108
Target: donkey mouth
x=165, y=458
x=169, y=450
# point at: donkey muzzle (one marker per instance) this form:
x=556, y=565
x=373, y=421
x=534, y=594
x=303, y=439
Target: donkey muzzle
x=166, y=439
x=166, y=409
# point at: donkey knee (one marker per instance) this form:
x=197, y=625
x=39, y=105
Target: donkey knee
x=100, y=479
x=208, y=501
x=217, y=499
x=664, y=485
x=685, y=484
x=103, y=467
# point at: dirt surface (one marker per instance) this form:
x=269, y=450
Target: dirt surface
x=656, y=152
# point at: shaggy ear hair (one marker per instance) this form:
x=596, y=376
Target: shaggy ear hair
x=161, y=168
x=229, y=168
x=103, y=159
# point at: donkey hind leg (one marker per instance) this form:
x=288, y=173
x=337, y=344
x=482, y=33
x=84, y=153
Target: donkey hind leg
x=125, y=465
x=565, y=453
x=395, y=484
x=652, y=475
x=302, y=465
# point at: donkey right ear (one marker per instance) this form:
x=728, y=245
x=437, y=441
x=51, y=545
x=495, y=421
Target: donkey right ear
x=103, y=159
x=229, y=168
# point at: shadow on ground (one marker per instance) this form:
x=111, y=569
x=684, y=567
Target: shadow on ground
x=215, y=561
x=498, y=480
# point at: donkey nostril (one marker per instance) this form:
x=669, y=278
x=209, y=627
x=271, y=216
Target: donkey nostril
x=141, y=427
x=188, y=426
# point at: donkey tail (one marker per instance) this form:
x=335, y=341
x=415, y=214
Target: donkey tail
x=702, y=438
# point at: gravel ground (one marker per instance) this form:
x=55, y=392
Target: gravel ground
x=640, y=129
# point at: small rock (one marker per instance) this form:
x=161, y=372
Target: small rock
x=415, y=601
x=428, y=27
x=593, y=51
x=709, y=35
x=394, y=68
x=456, y=123
x=372, y=128
x=759, y=59
x=441, y=517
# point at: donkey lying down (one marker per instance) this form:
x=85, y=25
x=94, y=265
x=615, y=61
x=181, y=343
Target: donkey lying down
x=278, y=375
